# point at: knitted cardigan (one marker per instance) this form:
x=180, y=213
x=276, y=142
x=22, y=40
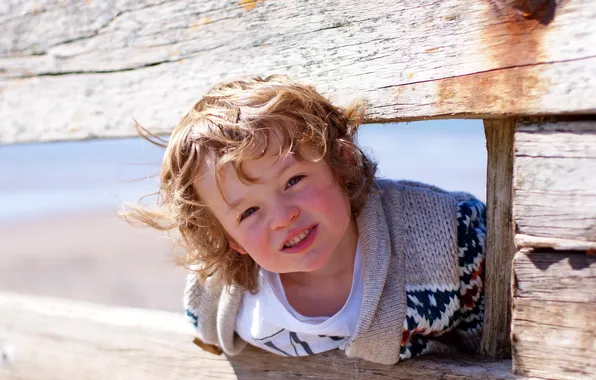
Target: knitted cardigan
x=408, y=236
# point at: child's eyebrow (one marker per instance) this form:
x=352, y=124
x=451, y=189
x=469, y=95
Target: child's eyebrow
x=236, y=203
x=289, y=162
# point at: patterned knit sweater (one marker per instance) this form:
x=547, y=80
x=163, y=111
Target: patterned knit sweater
x=418, y=283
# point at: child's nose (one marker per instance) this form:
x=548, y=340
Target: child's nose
x=283, y=216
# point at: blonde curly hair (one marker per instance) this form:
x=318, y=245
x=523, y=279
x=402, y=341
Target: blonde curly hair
x=231, y=123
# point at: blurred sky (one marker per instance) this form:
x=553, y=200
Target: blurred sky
x=67, y=177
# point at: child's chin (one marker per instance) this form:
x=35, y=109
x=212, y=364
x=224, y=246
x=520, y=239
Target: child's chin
x=315, y=261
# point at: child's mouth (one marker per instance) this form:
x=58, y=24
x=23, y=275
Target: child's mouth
x=301, y=242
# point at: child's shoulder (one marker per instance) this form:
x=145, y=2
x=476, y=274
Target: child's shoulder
x=388, y=187
x=405, y=185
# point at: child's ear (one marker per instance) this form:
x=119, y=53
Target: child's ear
x=344, y=151
x=237, y=247
x=348, y=153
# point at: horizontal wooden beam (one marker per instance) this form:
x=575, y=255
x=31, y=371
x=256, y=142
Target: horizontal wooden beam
x=555, y=184
x=43, y=338
x=554, y=305
x=79, y=70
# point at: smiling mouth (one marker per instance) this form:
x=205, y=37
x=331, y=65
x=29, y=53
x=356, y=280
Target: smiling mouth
x=301, y=241
x=297, y=239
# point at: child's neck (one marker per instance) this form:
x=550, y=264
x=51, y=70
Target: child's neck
x=325, y=291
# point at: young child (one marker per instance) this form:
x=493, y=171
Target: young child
x=295, y=247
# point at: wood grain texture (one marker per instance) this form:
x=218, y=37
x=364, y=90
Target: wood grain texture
x=555, y=182
x=499, y=241
x=77, y=70
x=554, y=304
x=49, y=339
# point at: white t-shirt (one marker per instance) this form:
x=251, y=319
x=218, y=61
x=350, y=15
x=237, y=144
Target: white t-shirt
x=268, y=321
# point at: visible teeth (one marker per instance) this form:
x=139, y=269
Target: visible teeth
x=296, y=239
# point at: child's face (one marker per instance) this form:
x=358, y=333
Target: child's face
x=294, y=219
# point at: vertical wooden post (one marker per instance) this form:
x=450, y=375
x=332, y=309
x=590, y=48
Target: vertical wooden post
x=553, y=325
x=500, y=247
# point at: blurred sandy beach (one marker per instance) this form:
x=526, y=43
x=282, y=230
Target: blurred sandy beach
x=59, y=233
x=90, y=256
x=60, y=236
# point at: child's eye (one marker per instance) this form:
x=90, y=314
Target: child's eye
x=294, y=180
x=248, y=213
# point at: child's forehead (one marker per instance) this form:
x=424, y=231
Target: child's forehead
x=270, y=148
x=262, y=159
x=265, y=159
x=219, y=185
x=269, y=154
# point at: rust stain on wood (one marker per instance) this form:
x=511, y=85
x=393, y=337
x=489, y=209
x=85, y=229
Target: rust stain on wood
x=515, y=39
x=511, y=41
x=249, y=5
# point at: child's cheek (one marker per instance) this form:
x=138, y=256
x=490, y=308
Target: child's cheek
x=256, y=236
x=325, y=199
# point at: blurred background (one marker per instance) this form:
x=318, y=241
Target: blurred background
x=60, y=235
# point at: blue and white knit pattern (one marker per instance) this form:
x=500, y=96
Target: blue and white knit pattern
x=433, y=311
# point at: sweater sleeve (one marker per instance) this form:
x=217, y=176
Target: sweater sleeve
x=211, y=308
x=432, y=313
x=471, y=237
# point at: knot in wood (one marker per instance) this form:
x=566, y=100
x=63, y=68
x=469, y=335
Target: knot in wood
x=526, y=7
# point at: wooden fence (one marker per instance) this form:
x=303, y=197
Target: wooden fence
x=58, y=339
x=83, y=69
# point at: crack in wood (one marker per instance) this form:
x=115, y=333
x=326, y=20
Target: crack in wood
x=125, y=69
x=92, y=34
x=554, y=156
x=536, y=64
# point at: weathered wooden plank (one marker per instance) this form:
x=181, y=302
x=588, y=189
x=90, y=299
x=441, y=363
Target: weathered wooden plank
x=555, y=183
x=554, y=304
x=527, y=241
x=75, y=70
x=42, y=338
x=499, y=241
